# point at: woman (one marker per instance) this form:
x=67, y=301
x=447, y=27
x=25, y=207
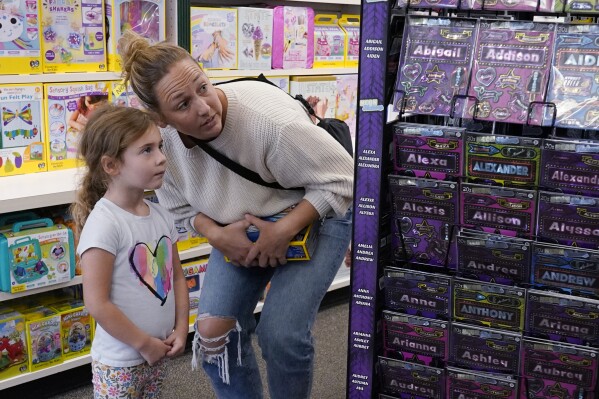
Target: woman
x=270, y=133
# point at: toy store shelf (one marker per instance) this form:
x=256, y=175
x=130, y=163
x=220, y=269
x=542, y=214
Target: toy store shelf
x=37, y=190
x=24, y=378
x=195, y=252
x=280, y=72
x=5, y=296
x=60, y=77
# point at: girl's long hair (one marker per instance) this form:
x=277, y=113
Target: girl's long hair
x=108, y=132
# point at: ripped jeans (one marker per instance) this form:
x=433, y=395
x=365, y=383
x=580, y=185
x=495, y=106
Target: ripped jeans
x=284, y=330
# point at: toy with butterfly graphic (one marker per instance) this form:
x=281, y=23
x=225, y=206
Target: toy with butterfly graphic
x=19, y=37
x=22, y=148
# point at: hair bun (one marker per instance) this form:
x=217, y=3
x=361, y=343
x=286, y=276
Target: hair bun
x=130, y=46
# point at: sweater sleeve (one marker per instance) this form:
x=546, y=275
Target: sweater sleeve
x=305, y=155
x=172, y=199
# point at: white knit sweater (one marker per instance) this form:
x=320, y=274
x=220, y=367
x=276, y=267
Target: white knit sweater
x=270, y=133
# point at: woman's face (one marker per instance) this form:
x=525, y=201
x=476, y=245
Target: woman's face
x=91, y=105
x=189, y=103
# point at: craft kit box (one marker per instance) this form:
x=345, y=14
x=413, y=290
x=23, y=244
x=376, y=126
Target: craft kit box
x=22, y=139
x=20, y=50
x=329, y=42
x=255, y=38
x=146, y=17
x=346, y=105
x=293, y=37
x=76, y=328
x=43, y=337
x=214, y=37
x=317, y=87
x=351, y=26
x=73, y=37
x=33, y=256
x=13, y=345
x=66, y=107
x=194, y=272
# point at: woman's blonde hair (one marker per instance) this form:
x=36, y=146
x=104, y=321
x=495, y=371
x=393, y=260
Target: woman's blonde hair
x=108, y=132
x=145, y=64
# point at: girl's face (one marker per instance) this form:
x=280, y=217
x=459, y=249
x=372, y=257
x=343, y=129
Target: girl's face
x=189, y=103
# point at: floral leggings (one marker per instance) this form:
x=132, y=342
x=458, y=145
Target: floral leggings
x=136, y=382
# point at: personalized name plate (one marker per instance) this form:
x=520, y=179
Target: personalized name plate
x=498, y=210
x=494, y=258
x=492, y=305
x=426, y=211
x=484, y=349
x=428, y=3
x=507, y=160
x=573, y=86
x=406, y=380
x=567, y=269
x=468, y=384
x=415, y=339
x=571, y=166
x=511, y=69
x=556, y=370
x=503, y=5
x=428, y=151
x=568, y=219
x=435, y=64
x=562, y=318
x=572, y=6
x=417, y=293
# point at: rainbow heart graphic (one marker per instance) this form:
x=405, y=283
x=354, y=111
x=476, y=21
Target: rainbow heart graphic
x=154, y=268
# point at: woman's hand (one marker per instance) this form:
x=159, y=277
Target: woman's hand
x=271, y=247
x=233, y=242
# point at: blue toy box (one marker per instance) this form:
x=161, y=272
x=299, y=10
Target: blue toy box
x=34, y=254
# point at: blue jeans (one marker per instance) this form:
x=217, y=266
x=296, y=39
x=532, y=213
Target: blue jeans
x=284, y=330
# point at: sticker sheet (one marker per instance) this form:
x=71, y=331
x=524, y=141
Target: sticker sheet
x=428, y=151
x=435, y=64
x=462, y=384
x=511, y=70
x=406, y=380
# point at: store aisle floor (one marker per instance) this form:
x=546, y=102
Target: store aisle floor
x=330, y=333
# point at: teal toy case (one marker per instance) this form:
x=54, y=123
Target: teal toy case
x=35, y=253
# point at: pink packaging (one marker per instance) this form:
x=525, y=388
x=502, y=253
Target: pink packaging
x=293, y=37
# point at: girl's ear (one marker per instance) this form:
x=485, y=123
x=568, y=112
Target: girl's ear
x=109, y=165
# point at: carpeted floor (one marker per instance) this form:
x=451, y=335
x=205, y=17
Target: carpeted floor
x=330, y=333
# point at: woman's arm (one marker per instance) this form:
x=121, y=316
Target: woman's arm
x=97, y=266
x=176, y=340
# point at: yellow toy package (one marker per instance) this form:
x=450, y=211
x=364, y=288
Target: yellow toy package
x=67, y=107
x=43, y=338
x=73, y=37
x=22, y=140
x=194, y=272
x=351, y=26
x=76, y=328
x=214, y=37
x=13, y=345
x=329, y=42
x=20, y=51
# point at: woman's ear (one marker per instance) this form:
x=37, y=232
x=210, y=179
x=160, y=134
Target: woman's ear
x=109, y=165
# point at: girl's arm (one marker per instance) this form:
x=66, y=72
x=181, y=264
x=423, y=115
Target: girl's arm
x=73, y=121
x=97, y=266
x=178, y=337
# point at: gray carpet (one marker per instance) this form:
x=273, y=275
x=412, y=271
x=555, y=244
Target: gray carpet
x=330, y=333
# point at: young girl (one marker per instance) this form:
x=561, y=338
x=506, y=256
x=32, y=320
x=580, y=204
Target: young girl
x=133, y=284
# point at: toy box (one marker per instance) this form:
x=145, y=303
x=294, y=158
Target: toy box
x=346, y=104
x=316, y=88
x=13, y=345
x=214, y=37
x=255, y=38
x=351, y=26
x=73, y=37
x=293, y=37
x=34, y=256
x=146, y=17
x=281, y=81
x=67, y=107
x=22, y=148
x=194, y=272
x=76, y=328
x=20, y=51
x=43, y=338
x=329, y=42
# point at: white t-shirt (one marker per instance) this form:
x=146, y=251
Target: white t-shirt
x=142, y=278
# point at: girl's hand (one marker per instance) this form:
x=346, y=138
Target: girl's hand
x=224, y=53
x=153, y=350
x=176, y=341
x=233, y=242
x=271, y=247
x=208, y=53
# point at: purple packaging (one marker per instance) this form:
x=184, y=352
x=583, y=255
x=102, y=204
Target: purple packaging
x=494, y=258
x=417, y=293
x=565, y=318
x=511, y=70
x=428, y=3
x=504, y=5
x=573, y=86
x=565, y=269
x=502, y=160
x=484, y=349
x=498, y=210
x=435, y=64
x=415, y=339
x=428, y=151
x=493, y=305
x=426, y=211
x=292, y=37
x=570, y=167
x=555, y=370
x=568, y=219
x=468, y=384
x=406, y=380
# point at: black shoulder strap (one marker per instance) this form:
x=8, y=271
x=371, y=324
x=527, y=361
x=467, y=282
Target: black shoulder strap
x=239, y=169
